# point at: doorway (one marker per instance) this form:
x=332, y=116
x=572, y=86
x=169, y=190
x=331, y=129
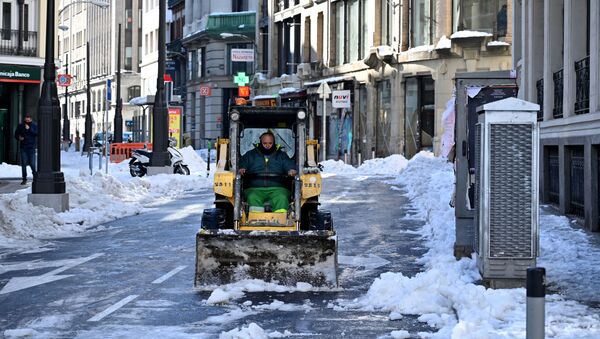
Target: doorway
x=419, y=113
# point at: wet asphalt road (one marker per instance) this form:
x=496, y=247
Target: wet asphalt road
x=135, y=279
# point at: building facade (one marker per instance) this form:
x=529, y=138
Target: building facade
x=22, y=51
x=397, y=59
x=557, y=56
x=81, y=24
x=212, y=30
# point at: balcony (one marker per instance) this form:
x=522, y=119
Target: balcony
x=9, y=43
x=582, y=86
x=539, y=85
x=557, y=77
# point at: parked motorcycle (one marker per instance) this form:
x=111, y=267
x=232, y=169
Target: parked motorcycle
x=140, y=160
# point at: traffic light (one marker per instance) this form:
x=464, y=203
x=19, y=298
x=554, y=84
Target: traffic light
x=244, y=91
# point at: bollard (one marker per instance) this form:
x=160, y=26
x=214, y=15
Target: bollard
x=373, y=153
x=345, y=157
x=359, y=158
x=536, y=293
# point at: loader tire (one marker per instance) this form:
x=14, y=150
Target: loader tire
x=321, y=221
x=213, y=219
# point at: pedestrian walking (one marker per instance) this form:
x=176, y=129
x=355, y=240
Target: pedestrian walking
x=26, y=134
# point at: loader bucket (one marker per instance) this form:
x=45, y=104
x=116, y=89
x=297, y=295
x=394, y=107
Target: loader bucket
x=226, y=256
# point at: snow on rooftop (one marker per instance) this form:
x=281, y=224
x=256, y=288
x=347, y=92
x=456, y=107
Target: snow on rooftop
x=289, y=90
x=469, y=34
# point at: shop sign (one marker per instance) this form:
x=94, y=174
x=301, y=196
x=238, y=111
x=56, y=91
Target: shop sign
x=22, y=74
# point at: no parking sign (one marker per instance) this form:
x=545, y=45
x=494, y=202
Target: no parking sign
x=64, y=80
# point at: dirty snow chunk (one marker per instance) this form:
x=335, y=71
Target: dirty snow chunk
x=400, y=334
x=303, y=287
x=219, y=296
x=396, y=316
x=253, y=331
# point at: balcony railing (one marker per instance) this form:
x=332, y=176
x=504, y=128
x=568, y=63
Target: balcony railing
x=582, y=86
x=539, y=85
x=9, y=43
x=557, y=77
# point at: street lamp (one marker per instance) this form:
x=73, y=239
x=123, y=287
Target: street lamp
x=48, y=188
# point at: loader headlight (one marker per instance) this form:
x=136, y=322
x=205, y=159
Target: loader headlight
x=301, y=115
x=235, y=115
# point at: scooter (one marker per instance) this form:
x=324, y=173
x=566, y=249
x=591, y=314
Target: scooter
x=140, y=160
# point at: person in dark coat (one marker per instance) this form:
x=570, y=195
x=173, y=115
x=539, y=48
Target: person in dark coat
x=26, y=133
x=267, y=158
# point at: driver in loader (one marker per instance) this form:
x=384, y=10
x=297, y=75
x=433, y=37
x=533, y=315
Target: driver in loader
x=266, y=158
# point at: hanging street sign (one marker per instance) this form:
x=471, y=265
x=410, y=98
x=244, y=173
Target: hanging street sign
x=241, y=79
x=63, y=80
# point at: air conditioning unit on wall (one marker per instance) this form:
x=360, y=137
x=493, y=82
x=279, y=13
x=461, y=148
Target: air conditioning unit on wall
x=506, y=191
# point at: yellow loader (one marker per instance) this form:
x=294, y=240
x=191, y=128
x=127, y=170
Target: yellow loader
x=236, y=243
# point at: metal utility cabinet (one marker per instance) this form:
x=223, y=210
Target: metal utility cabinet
x=506, y=191
x=473, y=89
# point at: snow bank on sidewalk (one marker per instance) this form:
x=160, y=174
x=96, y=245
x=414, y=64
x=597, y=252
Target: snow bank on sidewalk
x=390, y=166
x=446, y=295
x=93, y=199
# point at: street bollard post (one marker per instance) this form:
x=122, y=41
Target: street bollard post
x=536, y=293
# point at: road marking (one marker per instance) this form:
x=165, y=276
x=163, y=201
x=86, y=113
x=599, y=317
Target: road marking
x=168, y=275
x=21, y=283
x=113, y=308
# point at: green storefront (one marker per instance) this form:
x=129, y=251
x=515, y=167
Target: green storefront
x=19, y=94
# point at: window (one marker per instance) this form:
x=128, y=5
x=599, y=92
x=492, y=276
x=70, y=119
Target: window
x=288, y=45
x=239, y=5
x=386, y=22
x=6, y=20
x=134, y=92
x=422, y=22
x=348, y=25
x=483, y=16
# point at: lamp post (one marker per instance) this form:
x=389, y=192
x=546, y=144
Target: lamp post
x=118, y=133
x=48, y=188
x=160, y=117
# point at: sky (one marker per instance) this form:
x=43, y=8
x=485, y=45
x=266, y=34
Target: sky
x=445, y=295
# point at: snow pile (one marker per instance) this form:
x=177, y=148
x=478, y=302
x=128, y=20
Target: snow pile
x=445, y=295
x=225, y=293
x=252, y=331
x=390, y=166
x=93, y=199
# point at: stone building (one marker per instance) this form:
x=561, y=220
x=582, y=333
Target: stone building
x=397, y=59
x=212, y=30
x=557, y=56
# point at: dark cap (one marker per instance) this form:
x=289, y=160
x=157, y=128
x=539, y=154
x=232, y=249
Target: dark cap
x=27, y=115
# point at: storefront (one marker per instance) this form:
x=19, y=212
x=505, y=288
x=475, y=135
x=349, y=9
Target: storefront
x=19, y=95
